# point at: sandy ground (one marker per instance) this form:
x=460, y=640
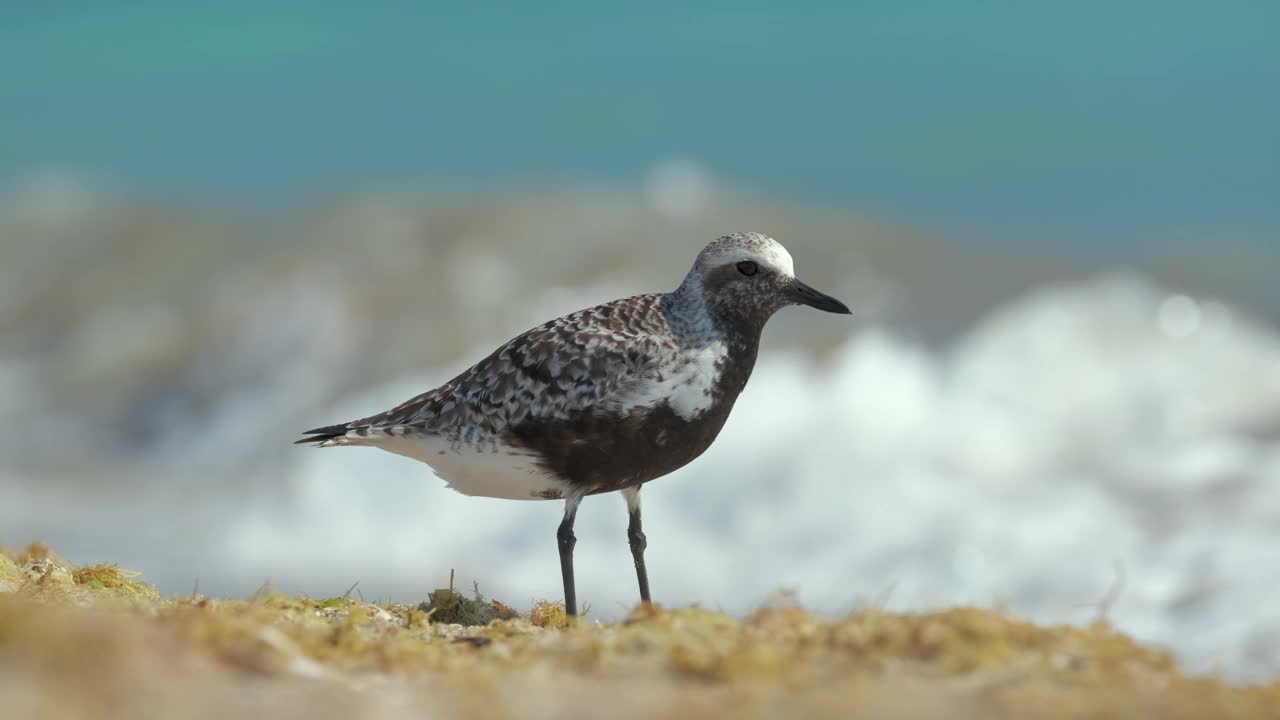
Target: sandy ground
x=95, y=642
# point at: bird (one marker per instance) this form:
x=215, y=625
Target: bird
x=601, y=400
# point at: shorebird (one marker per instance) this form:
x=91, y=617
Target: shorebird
x=600, y=400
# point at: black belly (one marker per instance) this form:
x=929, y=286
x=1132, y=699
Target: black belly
x=603, y=453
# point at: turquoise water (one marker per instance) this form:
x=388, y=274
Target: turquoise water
x=1080, y=122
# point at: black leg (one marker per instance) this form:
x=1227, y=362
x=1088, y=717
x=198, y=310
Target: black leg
x=637, y=540
x=566, y=541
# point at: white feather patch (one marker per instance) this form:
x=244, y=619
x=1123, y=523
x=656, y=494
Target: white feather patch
x=763, y=250
x=488, y=470
x=686, y=387
x=775, y=256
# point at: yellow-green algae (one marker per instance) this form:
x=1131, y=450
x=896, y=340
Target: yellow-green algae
x=96, y=642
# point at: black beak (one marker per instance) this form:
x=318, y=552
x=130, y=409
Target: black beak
x=802, y=294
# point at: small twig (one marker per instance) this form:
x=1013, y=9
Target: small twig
x=473, y=640
x=883, y=600
x=347, y=595
x=1113, y=592
x=262, y=590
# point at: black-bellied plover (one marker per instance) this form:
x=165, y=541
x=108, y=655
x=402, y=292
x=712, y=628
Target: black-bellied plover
x=603, y=399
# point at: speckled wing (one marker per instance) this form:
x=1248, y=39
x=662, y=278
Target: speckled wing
x=589, y=362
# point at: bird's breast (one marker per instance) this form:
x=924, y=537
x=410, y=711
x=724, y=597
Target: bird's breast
x=689, y=384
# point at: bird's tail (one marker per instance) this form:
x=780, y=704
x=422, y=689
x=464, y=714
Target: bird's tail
x=326, y=436
x=356, y=432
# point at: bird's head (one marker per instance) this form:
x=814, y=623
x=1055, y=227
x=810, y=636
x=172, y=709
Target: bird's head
x=751, y=276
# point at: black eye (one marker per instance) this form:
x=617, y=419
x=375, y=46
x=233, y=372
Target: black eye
x=746, y=267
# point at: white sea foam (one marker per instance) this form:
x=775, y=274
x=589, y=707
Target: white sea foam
x=1071, y=443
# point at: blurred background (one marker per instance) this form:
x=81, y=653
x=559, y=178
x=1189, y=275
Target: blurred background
x=1059, y=226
